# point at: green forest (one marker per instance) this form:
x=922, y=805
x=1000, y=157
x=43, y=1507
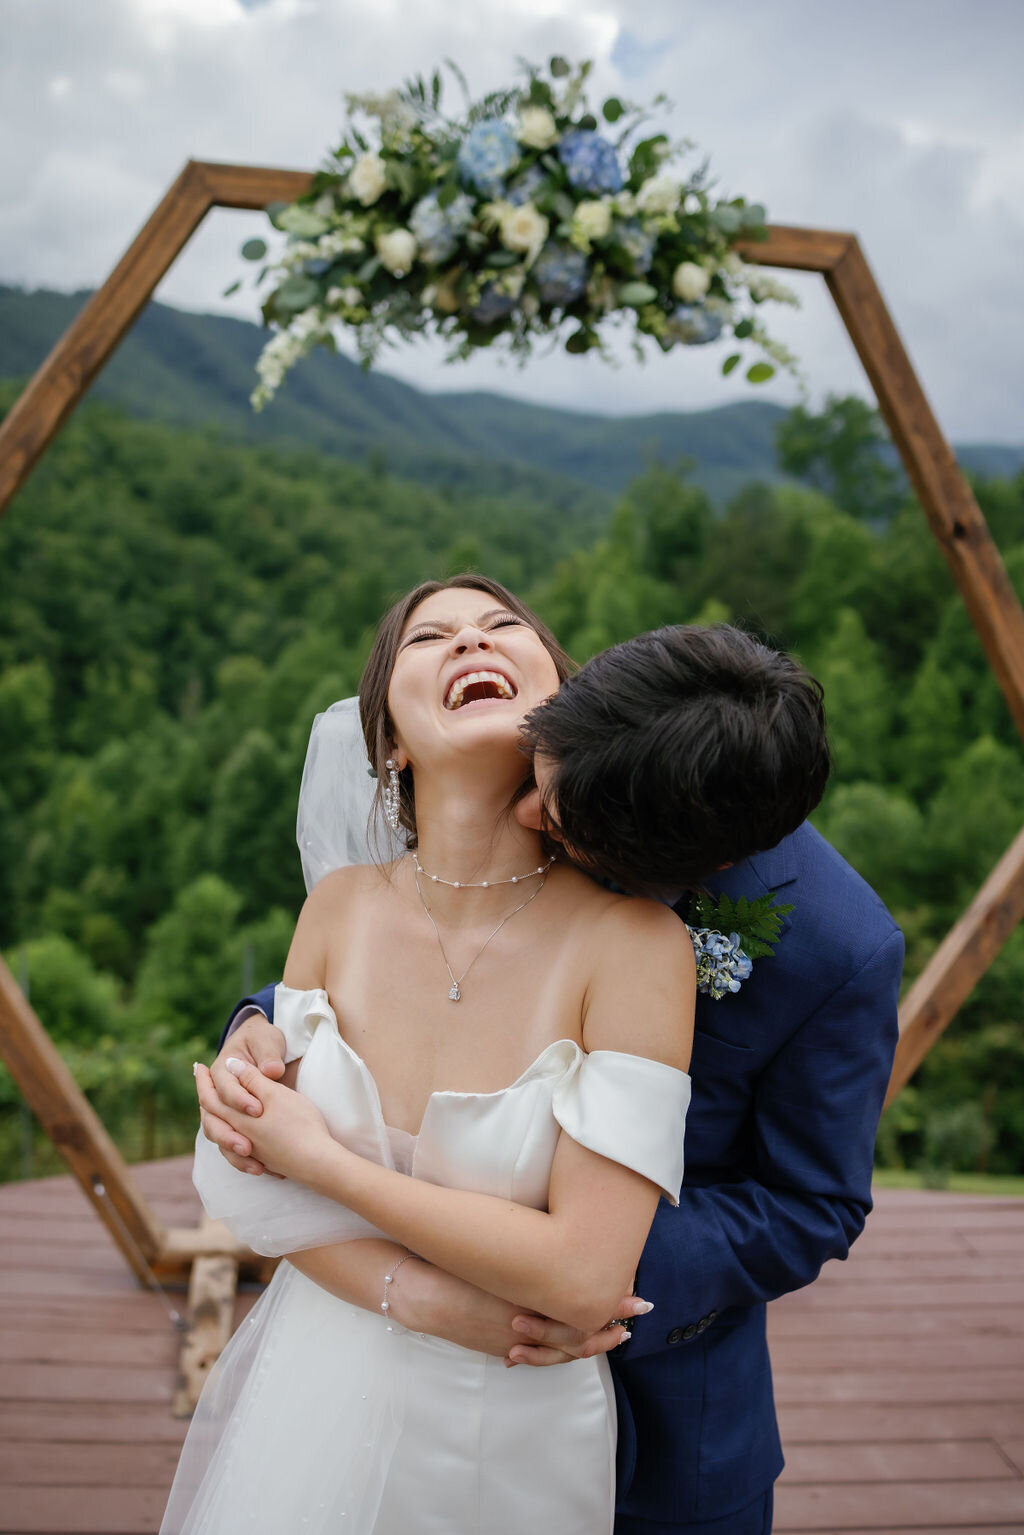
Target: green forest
x=178, y=604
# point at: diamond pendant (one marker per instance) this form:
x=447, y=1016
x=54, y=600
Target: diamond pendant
x=455, y=995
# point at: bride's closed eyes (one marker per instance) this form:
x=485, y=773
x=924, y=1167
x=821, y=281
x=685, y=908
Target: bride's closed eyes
x=502, y=621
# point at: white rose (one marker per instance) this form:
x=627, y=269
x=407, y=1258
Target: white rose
x=690, y=282
x=396, y=249
x=593, y=220
x=523, y=229
x=659, y=194
x=537, y=128
x=367, y=179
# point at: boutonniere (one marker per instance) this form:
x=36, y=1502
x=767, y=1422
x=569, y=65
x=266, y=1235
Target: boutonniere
x=729, y=935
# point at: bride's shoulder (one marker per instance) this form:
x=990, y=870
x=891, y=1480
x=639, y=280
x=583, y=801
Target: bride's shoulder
x=341, y=887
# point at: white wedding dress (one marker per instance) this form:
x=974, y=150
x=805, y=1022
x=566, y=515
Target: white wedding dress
x=321, y=1416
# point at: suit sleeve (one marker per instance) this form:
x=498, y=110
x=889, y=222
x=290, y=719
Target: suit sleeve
x=262, y=1001
x=813, y=1124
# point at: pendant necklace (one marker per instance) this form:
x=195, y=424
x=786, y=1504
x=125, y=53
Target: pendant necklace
x=455, y=991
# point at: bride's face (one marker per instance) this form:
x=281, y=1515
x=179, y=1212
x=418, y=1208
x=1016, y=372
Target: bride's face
x=466, y=672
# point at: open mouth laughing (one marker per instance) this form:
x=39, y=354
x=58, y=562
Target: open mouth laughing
x=477, y=687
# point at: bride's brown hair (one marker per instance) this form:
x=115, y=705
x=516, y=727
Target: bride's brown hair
x=378, y=727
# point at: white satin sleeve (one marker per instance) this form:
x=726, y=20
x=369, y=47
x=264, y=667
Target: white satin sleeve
x=631, y=1110
x=276, y=1216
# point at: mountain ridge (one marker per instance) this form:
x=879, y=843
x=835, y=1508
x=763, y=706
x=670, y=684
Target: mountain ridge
x=192, y=370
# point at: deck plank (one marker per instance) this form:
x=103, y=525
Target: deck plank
x=899, y=1374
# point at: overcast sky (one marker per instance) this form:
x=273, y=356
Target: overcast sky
x=902, y=120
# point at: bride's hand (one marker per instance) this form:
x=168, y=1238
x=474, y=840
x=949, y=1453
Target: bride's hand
x=290, y=1134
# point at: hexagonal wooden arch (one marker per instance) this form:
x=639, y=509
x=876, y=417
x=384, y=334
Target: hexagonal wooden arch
x=953, y=515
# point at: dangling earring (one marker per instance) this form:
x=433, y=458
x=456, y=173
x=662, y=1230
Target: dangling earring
x=392, y=795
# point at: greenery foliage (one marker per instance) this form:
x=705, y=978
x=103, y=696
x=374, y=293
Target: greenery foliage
x=177, y=607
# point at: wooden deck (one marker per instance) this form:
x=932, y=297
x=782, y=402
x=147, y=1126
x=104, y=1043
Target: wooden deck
x=899, y=1375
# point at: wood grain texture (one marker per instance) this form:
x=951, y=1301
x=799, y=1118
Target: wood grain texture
x=901, y=1404
x=959, y=963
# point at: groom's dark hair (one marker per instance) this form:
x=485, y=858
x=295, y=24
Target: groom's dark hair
x=679, y=751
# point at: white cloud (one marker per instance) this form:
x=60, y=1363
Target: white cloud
x=903, y=123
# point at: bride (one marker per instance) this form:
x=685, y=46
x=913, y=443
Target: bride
x=490, y=1052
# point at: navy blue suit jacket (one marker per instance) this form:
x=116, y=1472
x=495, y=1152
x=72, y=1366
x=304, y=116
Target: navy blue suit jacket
x=788, y=1075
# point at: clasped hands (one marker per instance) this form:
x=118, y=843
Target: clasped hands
x=264, y=1128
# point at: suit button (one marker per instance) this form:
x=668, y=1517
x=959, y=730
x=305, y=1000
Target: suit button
x=689, y=1332
x=675, y=1336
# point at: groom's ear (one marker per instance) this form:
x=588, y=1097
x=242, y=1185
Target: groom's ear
x=529, y=812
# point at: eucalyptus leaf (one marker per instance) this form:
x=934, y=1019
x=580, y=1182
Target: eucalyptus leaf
x=743, y=329
x=448, y=192
x=588, y=121
x=755, y=214
x=726, y=218
x=579, y=341
x=636, y=294
x=564, y=206
x=559, y=67
x=369, y=269
x=254, y=250
x=760, y=372
x=303, y=222
x=730, y=362
x=612, y=109
x=540, y=93
x=500, y=259
x=296, y=293
x=232, y=288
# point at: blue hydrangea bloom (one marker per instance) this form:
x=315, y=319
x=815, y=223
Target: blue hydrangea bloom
x=438, y=229
x=694, y=326
x=492, y=306
x=722, y=966
x=560, y=274
x=486, y=155
x=523, y=188
x=316, y=267
x=638, y=244
x=590, y=161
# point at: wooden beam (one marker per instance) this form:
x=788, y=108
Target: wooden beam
x=213, y=1285
x=804, y=250
x=959, y=963
x=948, y=502
x=70, y=1121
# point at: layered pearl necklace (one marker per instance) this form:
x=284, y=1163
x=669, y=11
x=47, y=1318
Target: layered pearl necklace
x=455, y=990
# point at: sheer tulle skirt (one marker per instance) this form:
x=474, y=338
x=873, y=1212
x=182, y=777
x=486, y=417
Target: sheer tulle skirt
x=317, y=1418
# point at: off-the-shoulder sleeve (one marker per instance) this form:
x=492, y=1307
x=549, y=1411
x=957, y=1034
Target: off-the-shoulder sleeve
x=278, y=1216
x=297, y=1014
x=631, y=1110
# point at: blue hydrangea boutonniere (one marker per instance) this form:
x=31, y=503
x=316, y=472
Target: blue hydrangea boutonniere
x=729, y=935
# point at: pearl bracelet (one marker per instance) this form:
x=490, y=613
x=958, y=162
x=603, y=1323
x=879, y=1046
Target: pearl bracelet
x=385, y=1304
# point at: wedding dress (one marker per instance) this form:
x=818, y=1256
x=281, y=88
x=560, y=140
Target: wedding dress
x=321, y=1416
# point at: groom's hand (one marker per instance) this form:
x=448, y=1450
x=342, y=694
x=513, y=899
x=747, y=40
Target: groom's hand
x=257, y=1042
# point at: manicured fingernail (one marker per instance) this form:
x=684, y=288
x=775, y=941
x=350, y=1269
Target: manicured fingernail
x=642, y=1307
x=234, y=1065
x=195, y=1068
x=521, y=1324
x=626, y=1335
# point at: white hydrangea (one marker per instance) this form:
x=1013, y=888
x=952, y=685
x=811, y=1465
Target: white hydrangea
x=388, y=106
x=624, y=203
x=347, y=297
x=592, y=219
x=659, y=194
x=537, y=128
x=690, y=282
x=523, y=229
x=367, y=179
x=396, y=249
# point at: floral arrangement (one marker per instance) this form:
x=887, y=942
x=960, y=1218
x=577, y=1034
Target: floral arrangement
x=521, y=219
x=726, y=958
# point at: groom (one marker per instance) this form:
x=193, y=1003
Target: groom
x=653, y=746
